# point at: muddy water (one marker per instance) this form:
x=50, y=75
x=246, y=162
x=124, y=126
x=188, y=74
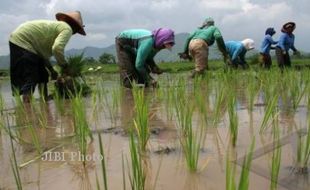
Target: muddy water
x=61, y=167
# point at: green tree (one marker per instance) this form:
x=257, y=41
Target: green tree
x=107, y=58
x=90, y=60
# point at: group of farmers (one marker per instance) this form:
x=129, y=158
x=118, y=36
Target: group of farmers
x=34, y=42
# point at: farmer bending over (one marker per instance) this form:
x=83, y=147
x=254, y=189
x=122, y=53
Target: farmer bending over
x=237, y=51
x=31, y=46
x=197, y=45
x=136, y=49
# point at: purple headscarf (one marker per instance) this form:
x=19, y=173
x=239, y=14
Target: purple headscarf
x=163, y=36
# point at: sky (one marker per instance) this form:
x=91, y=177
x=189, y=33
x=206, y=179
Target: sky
x=104, y=19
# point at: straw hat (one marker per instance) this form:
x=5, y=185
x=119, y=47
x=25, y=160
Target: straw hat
x=74, y=18
x=287, y=26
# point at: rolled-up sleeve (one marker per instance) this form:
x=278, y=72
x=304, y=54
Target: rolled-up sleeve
x=59, y=46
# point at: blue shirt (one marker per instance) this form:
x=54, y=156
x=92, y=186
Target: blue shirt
x=286, y=42
x=236, y=51
x=266, y=44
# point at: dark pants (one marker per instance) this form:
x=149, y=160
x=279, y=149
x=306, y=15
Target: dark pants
x=266, y=60
x=26, y=70
x=126, y=61
x=284, y=60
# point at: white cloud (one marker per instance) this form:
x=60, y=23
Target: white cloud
x=103, y=20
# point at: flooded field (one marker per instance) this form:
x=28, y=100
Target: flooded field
x=188, y=134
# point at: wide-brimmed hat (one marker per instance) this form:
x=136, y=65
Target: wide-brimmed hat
x=72, y=18
x=288, y=25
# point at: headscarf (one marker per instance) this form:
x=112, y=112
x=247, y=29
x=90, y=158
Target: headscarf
x=209, y=21
x=248, y=43
x=163, y=36
x=270, y=31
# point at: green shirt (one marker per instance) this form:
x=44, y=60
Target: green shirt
x=43, y=37
x=209, y=34
x=145, y=51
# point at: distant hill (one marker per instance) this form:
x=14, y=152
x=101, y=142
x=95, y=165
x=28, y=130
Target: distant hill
x=4, y=62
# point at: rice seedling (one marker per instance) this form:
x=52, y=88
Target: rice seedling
x=245, y=171
x=296, y=90
x=112, y=105
x=270, y=112
x=137, y=176
x=303, y=151
x=13, y=160
x=233, y=118
x=59, y=102
x=141, y=121
x=201, y=99
x=230, y=172
x=252, y=90
x=80, y=123
x=103, y=165
x=276, y=157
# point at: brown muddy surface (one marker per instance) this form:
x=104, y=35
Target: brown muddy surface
x=65, y=169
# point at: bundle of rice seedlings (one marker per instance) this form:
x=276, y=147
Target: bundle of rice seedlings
x=71, y=81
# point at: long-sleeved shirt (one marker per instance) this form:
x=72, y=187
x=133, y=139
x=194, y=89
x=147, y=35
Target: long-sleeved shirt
x=236, y=51
x=266, y=44
x=286, y=42
x=144, y=49
x=209, y=34
x=44, y=38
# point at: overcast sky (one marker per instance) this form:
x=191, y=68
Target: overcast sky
x=104, y=19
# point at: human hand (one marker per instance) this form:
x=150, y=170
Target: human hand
x=184, y=55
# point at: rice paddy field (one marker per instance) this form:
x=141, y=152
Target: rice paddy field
x=230, y=129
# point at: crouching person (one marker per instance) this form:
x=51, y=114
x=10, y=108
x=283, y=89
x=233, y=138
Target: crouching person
x=31, y=46
x=237, y=51
x=136, y=49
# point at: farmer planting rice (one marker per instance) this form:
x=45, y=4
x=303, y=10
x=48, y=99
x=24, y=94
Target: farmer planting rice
x=136, y=49
x=198, y=42
x=31, y=46
x=286, y=42
x=237, y=51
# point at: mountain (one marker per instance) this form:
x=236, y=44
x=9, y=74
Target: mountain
x=4, y=62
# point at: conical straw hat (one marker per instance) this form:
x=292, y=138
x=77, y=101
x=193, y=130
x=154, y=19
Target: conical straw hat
x=72, y=17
